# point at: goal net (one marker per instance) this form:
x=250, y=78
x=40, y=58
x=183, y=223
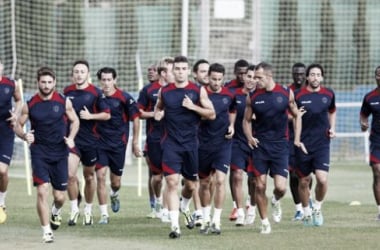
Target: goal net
x=341, y=35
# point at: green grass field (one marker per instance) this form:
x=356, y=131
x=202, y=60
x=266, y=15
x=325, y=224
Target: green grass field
x=346, y=227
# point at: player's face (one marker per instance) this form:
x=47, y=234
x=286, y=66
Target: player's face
x=215, y=81
x=299, y=75
x=377, y=77
x=201, y=76
x=240, y=73
x=249, y=80
x=46, y=85
x=315, y=78
x=262, y=79
x=181, y=72
x=80, y=74
x=108, y=83
x=152, y=73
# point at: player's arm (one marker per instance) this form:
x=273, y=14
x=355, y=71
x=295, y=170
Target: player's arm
x=159, y=108
x=364, y=125
x=206, y=110
x=16, y=110
x=85, y=114
x=231, y=127
x=332, y=122
x=297, y=122
x=135, y=137
x=74, y=124
x=247, y=124
x=18, y=128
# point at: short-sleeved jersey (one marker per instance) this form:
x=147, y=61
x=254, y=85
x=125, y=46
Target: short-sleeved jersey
x=146, y=101
x=180, y=124
x=270, y=109
x=315, y=121
x=241, y=100
x=212, y=133
x=7, y=90
x=49, y=122
x=233, y=84
x=115, y=131
x=93, y=98
x=371, y=105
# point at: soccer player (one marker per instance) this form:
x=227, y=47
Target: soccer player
x=240, y=70
x=313, y=152
x=299, y=79
x=48, y=112
x=200, y=72
x=269, y=103
x=9, y=90
x=114, y=135
x=215, y=141
x=90, y=106
x=241, y=162
x=181, y=105
x=371, y=105
x=146, y=101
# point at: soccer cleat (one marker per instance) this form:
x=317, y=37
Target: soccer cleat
x=115, y=203
x=265, y=229
x=298, y=216
x=205, y=228
x=215, y=228
x=240, y=220
x=317, y=218
x=308, y=221
x=234, y=214
x=3, y=214
x=158, y=210
x=55, y=221
x=251, y=216
x=88, y=220
x=104, y=219
x=165, y=218
x=277, y=212
x=152, y=214
x=197, y=218
x=73, y=218
x=189, y=222
x=175, y=233
x=48, y=237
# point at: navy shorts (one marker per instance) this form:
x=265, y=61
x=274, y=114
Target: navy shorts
x=6, y=144
x=241, y=157
x=270, y=158
x=214, y=158
x=374, y=154
x=154, y=154
x=292, y=157
x=87, y=155
x=113, y=158
x=318, y=159
x=180, y=162
x=47, y=170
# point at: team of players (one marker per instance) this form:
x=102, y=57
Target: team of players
x=192, y=128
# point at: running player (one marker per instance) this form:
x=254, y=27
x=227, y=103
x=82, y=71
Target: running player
x=146, y=101
x=89, y=104
x=184, y=103
x=114, y=135
x=242, y=155
x=9, y=90
x=371, y=105
x=313, y=154
x=48, y=112
x=215, y=141
x=269, y=103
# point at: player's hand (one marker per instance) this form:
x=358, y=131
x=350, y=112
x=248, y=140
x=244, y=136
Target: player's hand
x=187, y=103
x=85, y=114
x=69, y=142
x=158, y=115
x=331, y=133
x=29, y=137
x=136, y=150
x=13, y=118
x=253, y=142
x=230, y=132
x=301, y=111
x=301, y=146
x=364, y=126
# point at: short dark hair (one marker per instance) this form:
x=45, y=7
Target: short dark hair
x=82, y=61
x=265, y=66
x=312, y=66
x=45, y=71
x=106, y=70
x=251, y=67
x=216, y=67
x=196, y=65
x=298, y=65
x=241, y=63
x=181, y=59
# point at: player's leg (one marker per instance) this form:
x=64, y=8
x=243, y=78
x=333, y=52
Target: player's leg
x=262, y=202
x=6, y=150
x=278, y=193
x=237, y=187
x=251, y=210
x=3, y=190
x=73, y=187
x=101, y=191
x=376, y=186
x=219, y=197
x=43, y=211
